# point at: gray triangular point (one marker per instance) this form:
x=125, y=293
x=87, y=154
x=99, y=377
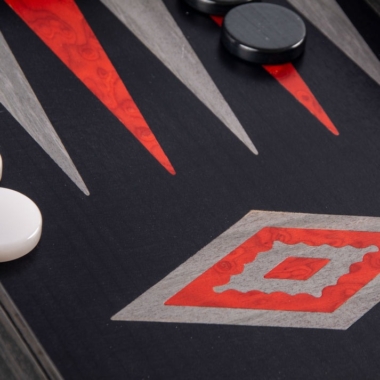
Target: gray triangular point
x=18, y=98
x=151, y=22
x=330, y=19
x=375, y=5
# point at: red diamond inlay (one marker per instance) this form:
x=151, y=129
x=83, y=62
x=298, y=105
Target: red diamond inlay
x=200, y=292
x=297, y=268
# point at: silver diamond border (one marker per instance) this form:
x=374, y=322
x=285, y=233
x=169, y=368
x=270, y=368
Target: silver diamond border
x=150, y=306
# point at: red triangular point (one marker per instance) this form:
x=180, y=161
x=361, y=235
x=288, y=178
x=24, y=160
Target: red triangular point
x=290, y=79
x=63, y=28
x=287, y=75
x=218, y=19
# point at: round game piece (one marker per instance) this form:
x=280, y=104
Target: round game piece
x=264, y=33
x=216, y=7
x=20, y=225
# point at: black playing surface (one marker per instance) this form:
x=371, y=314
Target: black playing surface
x=99, y=253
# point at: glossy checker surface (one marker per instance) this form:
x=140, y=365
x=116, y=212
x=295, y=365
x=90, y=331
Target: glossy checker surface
x=264, y=33
x=216, y=7
x=20, y=225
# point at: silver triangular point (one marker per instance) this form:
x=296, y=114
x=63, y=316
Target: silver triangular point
x=154, y=26
x=330, y=19
x=19, y=99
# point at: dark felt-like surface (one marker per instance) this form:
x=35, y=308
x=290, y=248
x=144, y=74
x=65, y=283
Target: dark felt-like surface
x=99, y=253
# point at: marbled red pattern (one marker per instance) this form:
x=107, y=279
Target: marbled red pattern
x=287, y=75
x=297, y=268
x=200, y=292
x=63, y=28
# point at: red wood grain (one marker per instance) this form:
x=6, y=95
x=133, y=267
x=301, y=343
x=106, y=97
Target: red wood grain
x=288, y=76
x=291, y=80
x=200, y=292
x=297, y=268
x=63, y=28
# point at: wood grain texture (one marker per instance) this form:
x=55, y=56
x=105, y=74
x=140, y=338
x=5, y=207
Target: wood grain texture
x=330, y=19
x=340, y=310
x=238, y=280
x=297, y=268
x=287, y=75
x=255, y=271
x=375, y=5
x=21, y=355
x=154, y=26
x=63, y=28
x=18, y=98
x=291, y=80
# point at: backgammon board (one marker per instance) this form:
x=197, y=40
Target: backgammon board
x=204, y=217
